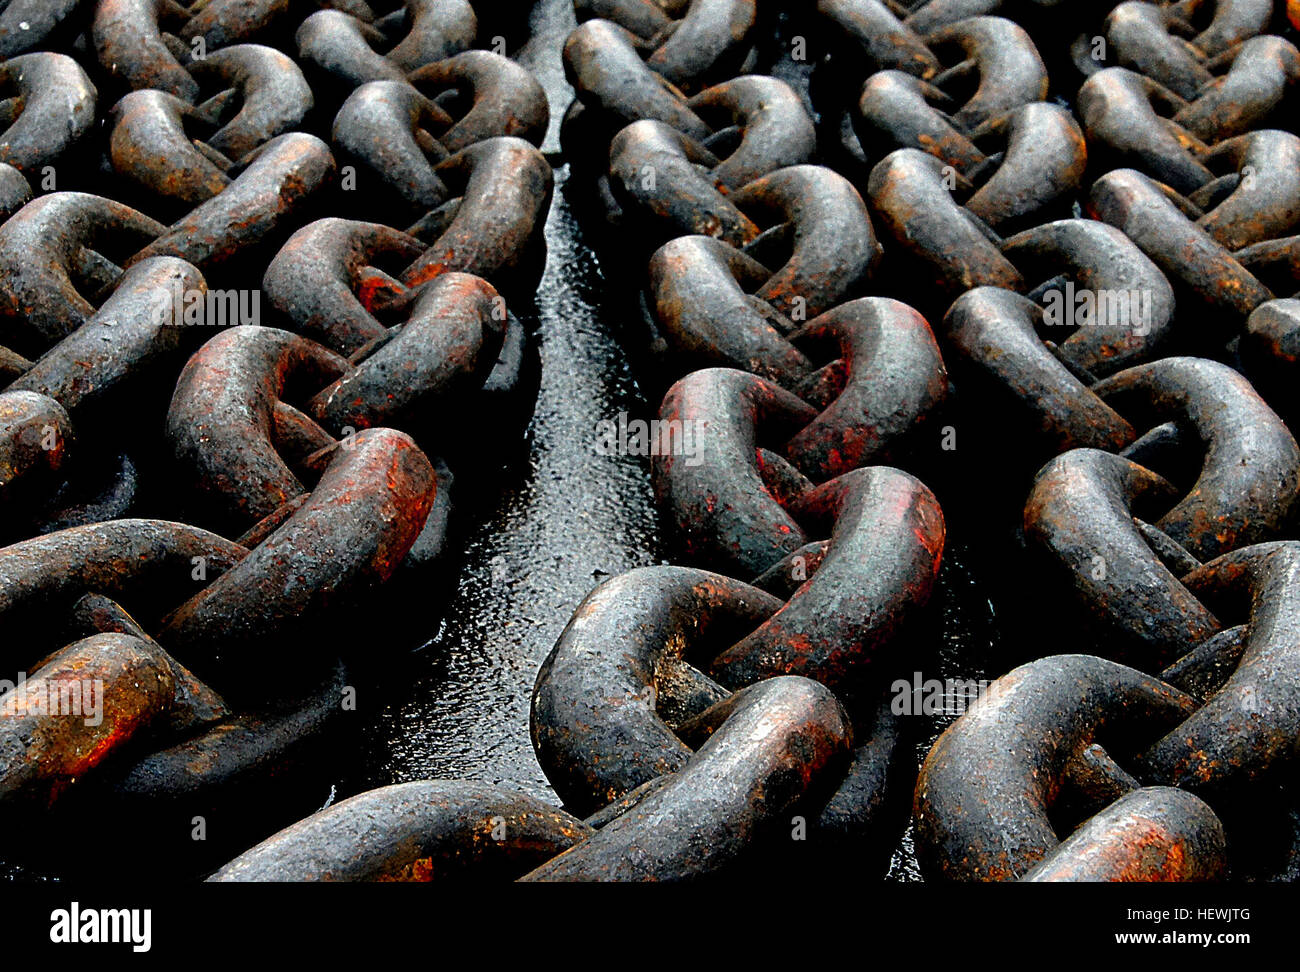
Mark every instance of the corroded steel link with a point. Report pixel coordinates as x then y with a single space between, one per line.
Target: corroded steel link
254 93
756 124
1127 119
1100 261
222 23
1153 834
280 178
869 28
145 564
664 178
1244 734
36 439
227 419
661 180
388 129
1000 55
1258 197
723 509
487 95
882 389
718 304
823 221
882 384
128 689
184 154
58 255
702 294
1270 353
989 785
1262 81
15 191
642 18
1030 360
1080 521
133 341
29 25
333 277
255 749
1142 37
491 226
42 753
1232 22
346 49
195 705
1020 385
994 333
677 185
615 88
778 745
1186 253
423 831
1080 513
1275 261
350 52
947 245
135 44
623 677
701 41
940 237
443 353
877 571
764 120
1246 493
351 534
116 360
746 777
1117 108
736 504
759 119
229 426
53 110
156 43
153 147
895 108
1248 486
1041 161
384 127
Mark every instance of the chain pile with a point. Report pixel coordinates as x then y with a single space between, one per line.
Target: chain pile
1097 210
208 503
